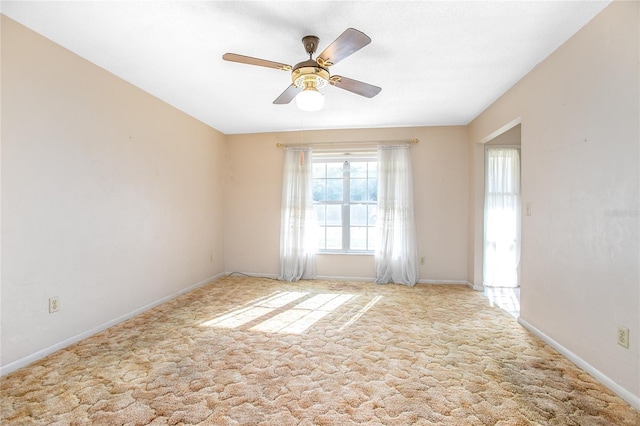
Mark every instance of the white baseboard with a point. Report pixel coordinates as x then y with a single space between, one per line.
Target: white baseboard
454 282
23 362
598 375
319 277
253 274
340 278
362 279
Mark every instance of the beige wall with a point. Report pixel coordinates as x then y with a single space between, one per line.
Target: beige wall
579 111
111 199
440 196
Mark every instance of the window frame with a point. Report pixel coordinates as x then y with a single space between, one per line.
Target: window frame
346 203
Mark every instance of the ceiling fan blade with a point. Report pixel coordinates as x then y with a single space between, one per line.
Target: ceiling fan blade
355 86
288 95
346 44
232 57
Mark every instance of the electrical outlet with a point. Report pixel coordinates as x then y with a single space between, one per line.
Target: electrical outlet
54 305
422 260
623 336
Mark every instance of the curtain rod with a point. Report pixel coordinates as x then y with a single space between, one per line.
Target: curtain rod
284 145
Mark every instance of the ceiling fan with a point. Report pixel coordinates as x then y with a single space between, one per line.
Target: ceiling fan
308 76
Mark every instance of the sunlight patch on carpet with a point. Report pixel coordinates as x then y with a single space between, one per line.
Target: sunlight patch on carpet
291 312
302 316
258 308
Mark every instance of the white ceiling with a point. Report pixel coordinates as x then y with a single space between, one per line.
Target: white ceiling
438 63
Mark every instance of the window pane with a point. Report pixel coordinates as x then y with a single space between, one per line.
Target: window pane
319 208
373 169
335 170
358 214
358 169
334 214
319 170
373 213
358 189
358 238
334 189
373 190
334 238
321 237
319 190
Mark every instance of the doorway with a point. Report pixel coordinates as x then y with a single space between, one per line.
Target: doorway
501 253
501 216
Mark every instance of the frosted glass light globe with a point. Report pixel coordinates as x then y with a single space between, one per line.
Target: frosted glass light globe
310 100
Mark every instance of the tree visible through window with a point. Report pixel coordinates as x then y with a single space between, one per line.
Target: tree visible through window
345 194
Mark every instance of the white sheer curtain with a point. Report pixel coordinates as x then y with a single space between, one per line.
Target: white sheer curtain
502 218
298 226
397 253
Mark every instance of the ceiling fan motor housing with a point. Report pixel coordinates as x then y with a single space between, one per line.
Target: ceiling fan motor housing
309 73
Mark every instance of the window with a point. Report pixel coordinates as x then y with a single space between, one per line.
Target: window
345 194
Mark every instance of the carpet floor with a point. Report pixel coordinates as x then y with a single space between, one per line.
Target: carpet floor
252 351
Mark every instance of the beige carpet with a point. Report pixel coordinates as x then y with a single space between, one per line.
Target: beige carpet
260 352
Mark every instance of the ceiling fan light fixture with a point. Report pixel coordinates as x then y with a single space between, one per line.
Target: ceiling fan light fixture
310 100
